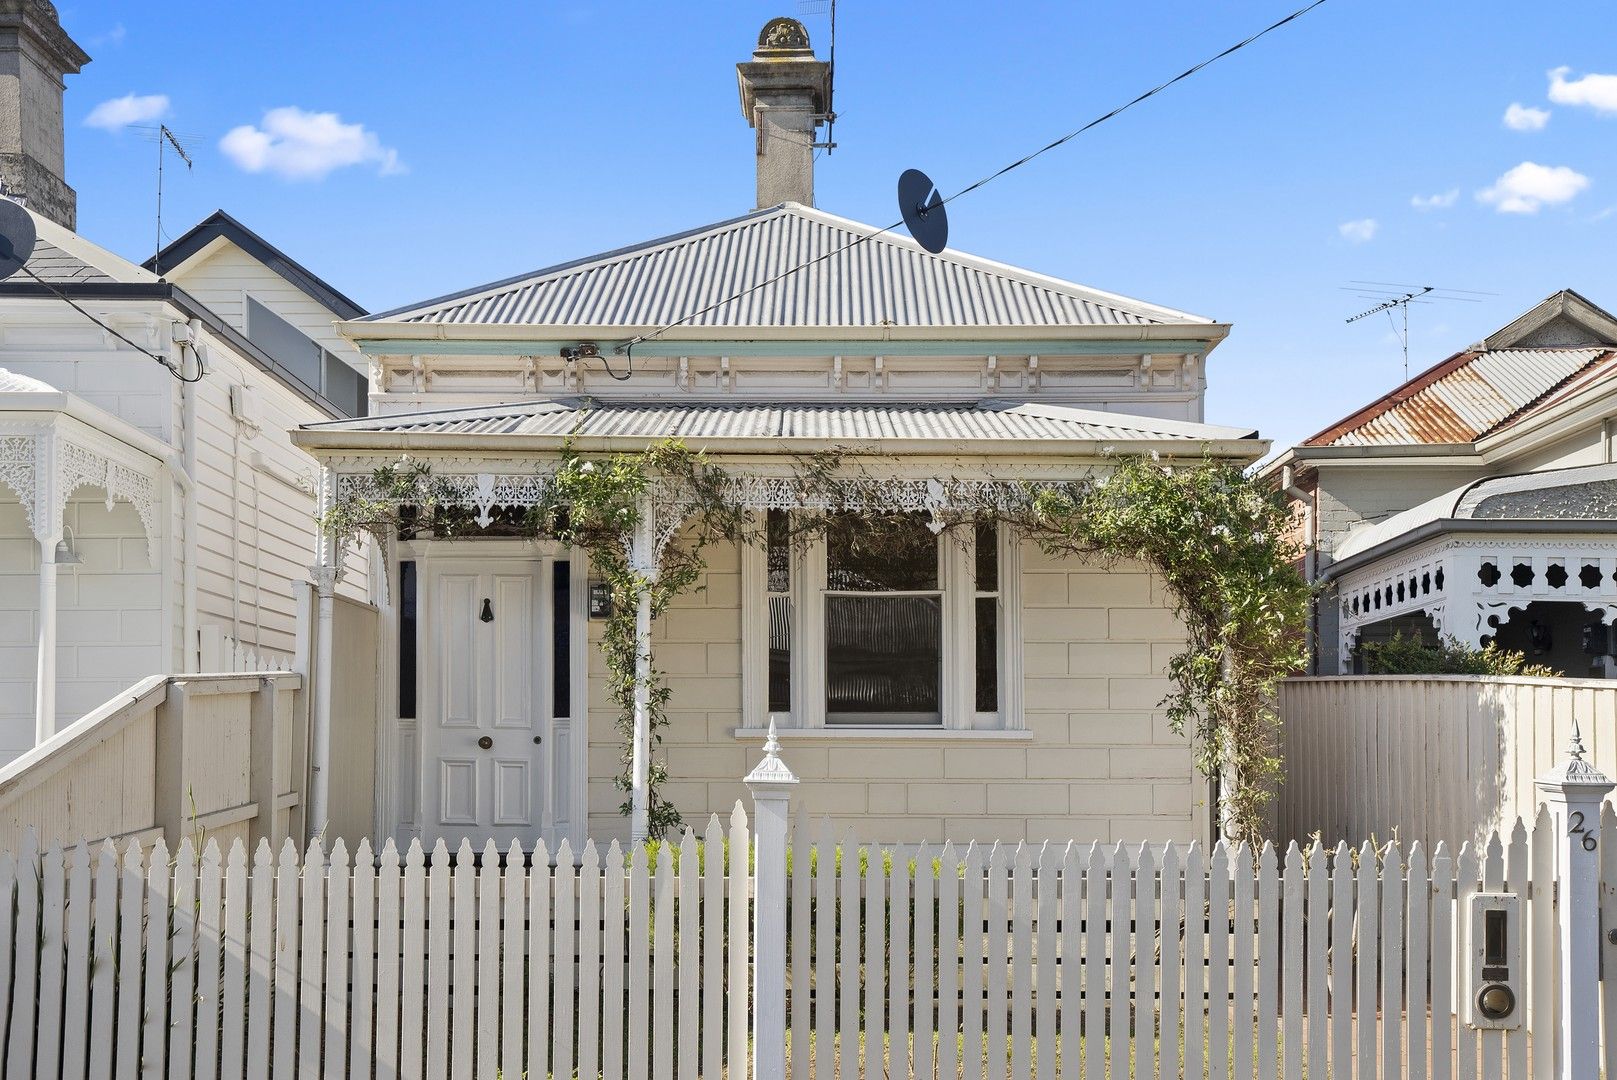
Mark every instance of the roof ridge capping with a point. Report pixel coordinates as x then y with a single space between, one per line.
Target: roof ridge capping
750 269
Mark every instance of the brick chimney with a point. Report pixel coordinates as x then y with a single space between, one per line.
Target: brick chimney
35 55
784 94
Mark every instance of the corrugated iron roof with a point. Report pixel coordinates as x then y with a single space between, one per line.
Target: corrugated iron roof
830 421
886 280
1463 398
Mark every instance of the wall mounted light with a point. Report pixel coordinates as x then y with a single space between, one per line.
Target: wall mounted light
65 555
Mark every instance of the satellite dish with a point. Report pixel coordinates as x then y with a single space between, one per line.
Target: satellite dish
922 207
17 238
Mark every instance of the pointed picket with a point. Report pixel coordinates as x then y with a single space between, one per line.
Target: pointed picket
539 919
612 950
870 1053
1021 917
488 960
1269 961
311 959
589 964
463 964
563 960
181 964
1467 870
1144 1026
1242 917
362 978
1196 968
389 894
1417 949
712 949
413 965
1172 1056
799 945
261 998
1318 964
1441 1035
1291 964
131 922
851 963
76 988
663 1035
1392 961
153 1046
1540 953
996 913
948 922
1517 869
1218 962
103 959
973 964
688 1035
825 955
926 955
514 956
210 953
898 968
1044 1026
25 964
338 894
738 939
638 978
1094 965
1118 1029
439 957
1341 921
1369 926
1491 1044
52 955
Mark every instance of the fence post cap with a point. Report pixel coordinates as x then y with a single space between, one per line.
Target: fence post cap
1574 774
771 770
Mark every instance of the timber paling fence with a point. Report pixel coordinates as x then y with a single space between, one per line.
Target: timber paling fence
1027 962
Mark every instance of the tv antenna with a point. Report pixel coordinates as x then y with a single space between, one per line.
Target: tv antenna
165 139
826 7
1395 297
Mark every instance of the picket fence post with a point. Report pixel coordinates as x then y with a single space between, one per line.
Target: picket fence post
1574 790
771 784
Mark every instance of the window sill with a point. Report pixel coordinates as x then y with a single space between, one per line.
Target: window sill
885 734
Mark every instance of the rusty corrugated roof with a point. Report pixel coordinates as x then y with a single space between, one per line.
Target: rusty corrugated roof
1465 397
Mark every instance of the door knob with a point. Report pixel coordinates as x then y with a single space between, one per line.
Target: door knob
486 742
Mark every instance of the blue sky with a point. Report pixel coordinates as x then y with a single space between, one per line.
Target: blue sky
495 139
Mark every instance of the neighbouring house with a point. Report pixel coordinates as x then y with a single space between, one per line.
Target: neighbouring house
1476 501
142 516
972 690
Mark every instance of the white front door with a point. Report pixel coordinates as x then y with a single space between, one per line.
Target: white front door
484 716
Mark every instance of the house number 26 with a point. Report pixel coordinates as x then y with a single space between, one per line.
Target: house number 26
1589 841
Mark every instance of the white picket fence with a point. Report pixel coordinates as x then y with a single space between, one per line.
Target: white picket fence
825 959
219 652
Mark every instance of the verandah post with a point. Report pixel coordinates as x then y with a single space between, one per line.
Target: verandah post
643 560
1574 790
771 785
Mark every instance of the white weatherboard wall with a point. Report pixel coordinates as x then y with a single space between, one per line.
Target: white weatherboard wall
109 614
224 277
1098 760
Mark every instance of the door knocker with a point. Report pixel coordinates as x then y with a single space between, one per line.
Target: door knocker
488 610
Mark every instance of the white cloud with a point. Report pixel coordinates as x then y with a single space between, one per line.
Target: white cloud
116 114
299 145
1360 231
1441 201
1598 92
1526 118
115 36
1529 186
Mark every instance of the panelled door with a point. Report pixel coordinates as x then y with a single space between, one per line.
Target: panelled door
484 718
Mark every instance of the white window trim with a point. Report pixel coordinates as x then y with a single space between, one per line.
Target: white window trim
957 571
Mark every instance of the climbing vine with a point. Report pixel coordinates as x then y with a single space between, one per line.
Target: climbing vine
1217 540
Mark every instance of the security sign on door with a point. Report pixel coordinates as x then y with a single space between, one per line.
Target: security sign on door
482 731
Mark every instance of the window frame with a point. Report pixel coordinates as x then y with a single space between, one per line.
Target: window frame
808 593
